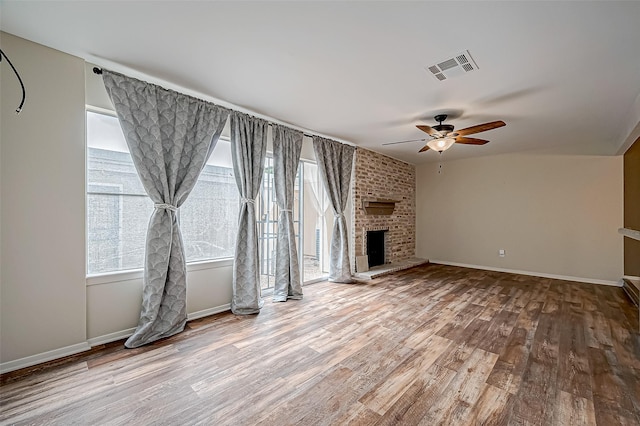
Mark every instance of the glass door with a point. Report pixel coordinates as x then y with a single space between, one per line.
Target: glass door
318 221
312 219
267 217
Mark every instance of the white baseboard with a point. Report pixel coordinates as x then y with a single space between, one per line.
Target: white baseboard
210 311
123 334
631 278
533 274
32 360
29 361
111 337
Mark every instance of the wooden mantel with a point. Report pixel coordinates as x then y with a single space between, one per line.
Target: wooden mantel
631 233
378 206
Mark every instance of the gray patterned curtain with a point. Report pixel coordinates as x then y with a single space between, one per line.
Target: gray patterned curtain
248 150
170 137
287 145
335 161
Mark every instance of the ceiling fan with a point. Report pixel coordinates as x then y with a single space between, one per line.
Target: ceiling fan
443 136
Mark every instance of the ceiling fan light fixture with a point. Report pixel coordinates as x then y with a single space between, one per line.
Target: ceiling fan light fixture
443 135
441 144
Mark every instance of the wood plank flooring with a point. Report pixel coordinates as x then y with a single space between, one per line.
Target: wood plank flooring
433 345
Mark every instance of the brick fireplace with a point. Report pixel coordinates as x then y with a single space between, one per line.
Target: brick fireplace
381 178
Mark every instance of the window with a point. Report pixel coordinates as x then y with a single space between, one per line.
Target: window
209 217
118 208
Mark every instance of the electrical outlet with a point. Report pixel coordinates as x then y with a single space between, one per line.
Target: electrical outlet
501 253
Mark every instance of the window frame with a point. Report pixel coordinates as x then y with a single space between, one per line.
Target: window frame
134 273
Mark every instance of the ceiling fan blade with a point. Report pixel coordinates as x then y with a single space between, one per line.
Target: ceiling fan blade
424 148
471 141
430 131
411 140
480 128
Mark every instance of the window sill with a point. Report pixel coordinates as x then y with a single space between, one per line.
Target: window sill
137 274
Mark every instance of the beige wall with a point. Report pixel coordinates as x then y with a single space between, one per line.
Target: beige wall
555 215
42 218
113 302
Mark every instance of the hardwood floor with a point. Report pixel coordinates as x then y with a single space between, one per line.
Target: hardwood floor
427 346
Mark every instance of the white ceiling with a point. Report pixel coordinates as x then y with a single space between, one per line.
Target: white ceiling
564 76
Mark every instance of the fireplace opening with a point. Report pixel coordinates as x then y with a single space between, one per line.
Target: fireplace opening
375 248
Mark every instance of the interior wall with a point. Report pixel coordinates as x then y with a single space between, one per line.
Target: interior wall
632 208
42 214
208 292
552 214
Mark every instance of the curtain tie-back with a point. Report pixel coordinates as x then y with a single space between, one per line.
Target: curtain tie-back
286 210
166 207
338 215
248 200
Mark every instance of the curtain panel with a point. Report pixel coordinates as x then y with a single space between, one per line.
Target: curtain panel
170 136
335 162
248 151
287 145
318 196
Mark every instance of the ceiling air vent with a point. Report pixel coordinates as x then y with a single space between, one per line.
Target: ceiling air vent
460 64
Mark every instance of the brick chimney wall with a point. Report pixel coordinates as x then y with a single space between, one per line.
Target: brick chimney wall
380 177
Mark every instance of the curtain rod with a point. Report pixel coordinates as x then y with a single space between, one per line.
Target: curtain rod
303 133
98 71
